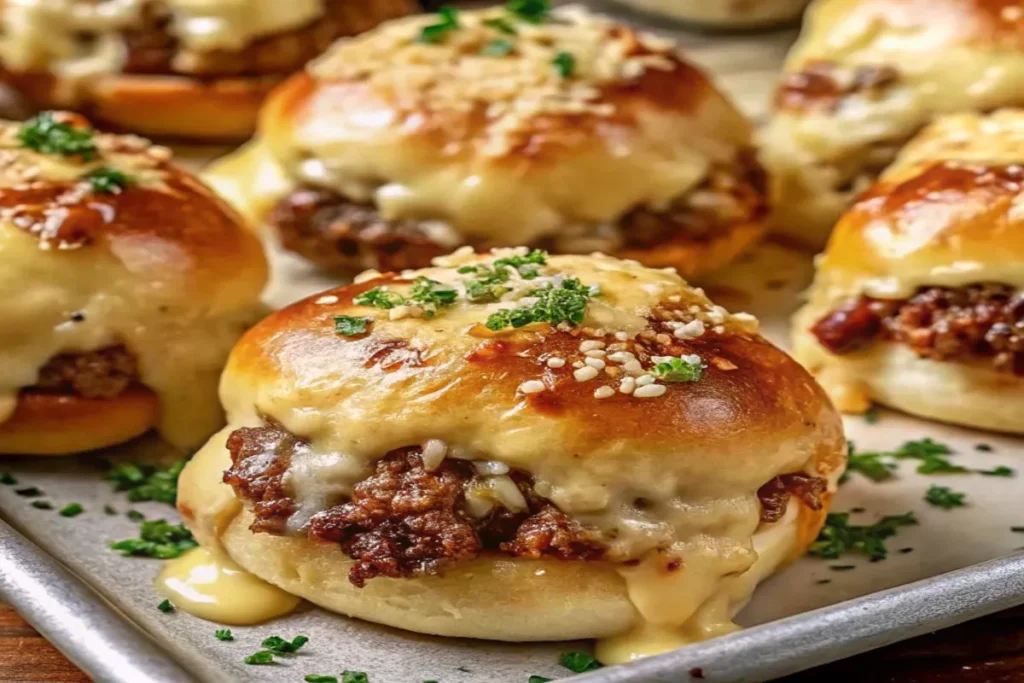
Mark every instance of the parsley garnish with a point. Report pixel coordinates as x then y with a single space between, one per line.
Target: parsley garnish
448 21
842 567
71 510
944 497
538 679
501 25
564 63
526 265
109 510
157 539
497 48
135 515
29 492
165 606
354 677
259 658
838 536
868 464
930 453
280 646
147 482
984 447
380 297
317 678
531 11
871 415
349 326
565 303
223 634
432 293
678 370
107 180
41 505
1017 529
1001 471
46 135
822 582
578 662
7 479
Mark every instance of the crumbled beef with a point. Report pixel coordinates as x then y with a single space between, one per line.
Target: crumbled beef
105 373
775 495
977 321
551 532
260 456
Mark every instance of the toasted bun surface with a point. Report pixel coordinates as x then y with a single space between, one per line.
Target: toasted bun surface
145 257
200 74
591 449
501 150
944 214
866 76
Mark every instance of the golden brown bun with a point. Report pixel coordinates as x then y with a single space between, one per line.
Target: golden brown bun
59 424
202 93
724 14
944 214
160 266
500 151
865 77
591 448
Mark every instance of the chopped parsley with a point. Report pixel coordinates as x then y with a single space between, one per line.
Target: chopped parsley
868 464
135 515
354 677
871 415
259 658
678 370
71 510
1017 529
29 492
46 135
838 536
944 497
984 447
107 180
109 510
165 607
530 11
501 25
349 326
157 538
7 479
432 293
223 634
564 63
578 662
930 453
564 303
822 582
1001 471
489 280
526 265
498 48
842 567
280 646
41 505
317 678
380 297
448 21
147 482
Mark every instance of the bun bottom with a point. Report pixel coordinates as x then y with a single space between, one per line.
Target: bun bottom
693 258
61 424
970 395
493 597
221 110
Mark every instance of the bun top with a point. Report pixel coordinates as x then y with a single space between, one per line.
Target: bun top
885 67
47 34
947 212
103 242
607 381
506 126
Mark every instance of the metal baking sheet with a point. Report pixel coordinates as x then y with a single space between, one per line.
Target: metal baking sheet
100 608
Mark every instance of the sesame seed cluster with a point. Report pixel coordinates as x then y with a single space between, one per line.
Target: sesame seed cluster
461 73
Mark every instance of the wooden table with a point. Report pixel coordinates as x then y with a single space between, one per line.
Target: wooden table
989 650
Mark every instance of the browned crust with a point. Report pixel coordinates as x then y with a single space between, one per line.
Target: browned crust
58 424
816 86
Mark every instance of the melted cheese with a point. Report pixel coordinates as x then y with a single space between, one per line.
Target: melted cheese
47 34
8 402
208 584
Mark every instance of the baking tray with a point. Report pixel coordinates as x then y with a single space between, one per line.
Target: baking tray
100 608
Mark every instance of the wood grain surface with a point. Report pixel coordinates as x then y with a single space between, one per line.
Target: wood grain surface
989 650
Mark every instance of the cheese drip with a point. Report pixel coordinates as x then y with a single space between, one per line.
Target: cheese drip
208 584
47 34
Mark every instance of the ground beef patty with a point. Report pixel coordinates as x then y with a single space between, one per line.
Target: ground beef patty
404 521
105 373
980 321
342 235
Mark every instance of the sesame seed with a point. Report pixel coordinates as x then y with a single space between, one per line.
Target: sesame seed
591 345
532 386
596 353
690 330
585 373
622 336
556 362
604 392
633 367
329 299
627 385
621 357
577 364
663 338
595 363
650 391
719 329
644 380
612 371
675 298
